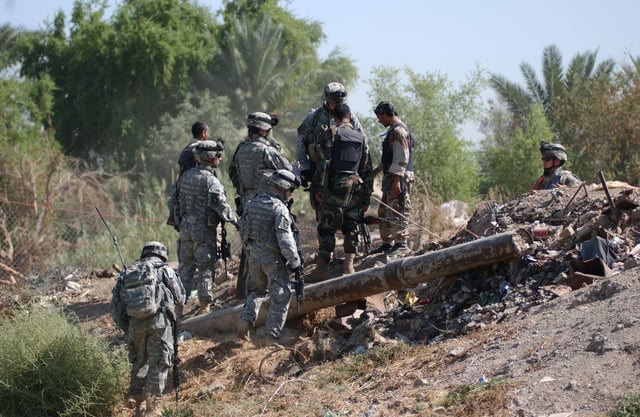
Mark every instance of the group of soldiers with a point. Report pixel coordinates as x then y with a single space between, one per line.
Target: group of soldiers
332 160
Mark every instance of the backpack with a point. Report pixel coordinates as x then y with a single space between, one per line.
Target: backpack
141 291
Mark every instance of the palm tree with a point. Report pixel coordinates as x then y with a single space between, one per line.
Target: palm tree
253 65
556 83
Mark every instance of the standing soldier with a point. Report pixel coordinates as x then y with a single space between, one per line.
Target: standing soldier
310 133
554 156
201 204
266 232
149 323
396 166
254 160
186 161
344 180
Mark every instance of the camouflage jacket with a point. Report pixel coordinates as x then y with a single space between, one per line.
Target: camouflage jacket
253 161
199 198
265 227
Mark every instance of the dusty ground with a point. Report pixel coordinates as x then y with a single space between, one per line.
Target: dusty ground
575 354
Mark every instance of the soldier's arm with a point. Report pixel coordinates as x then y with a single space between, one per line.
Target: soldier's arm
217 201
285 238
301 146
175 286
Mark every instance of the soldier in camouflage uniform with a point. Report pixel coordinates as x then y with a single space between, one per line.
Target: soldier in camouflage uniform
150 341
396 166
201 203
554 156
266 231
310 133
344 181
255 159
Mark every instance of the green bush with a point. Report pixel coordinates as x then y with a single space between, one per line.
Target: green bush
629 407
50 367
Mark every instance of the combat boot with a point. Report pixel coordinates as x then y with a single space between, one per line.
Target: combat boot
154 408
205 307
244 330
141 409
321 271
347 267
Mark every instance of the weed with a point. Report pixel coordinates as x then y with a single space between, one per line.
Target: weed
479 399
629 407
50 367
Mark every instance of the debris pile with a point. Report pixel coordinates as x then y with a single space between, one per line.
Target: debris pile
575 236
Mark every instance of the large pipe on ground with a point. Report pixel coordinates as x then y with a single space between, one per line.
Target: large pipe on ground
396 275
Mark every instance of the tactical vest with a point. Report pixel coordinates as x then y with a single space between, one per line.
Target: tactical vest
387 154
348 145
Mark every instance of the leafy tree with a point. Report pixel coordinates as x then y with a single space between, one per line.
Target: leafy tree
603 126
253 65
500 156
435 112
556 84
173 133
7 46
115 78
263 44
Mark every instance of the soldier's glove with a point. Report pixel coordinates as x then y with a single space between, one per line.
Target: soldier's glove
295 268
305 177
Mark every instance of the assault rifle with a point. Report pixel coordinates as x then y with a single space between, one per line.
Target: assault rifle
224 250
363 231
298 283
176 360
115 240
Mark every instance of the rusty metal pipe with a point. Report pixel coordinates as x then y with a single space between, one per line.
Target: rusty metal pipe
396 275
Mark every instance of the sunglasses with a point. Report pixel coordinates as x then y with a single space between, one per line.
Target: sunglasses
547 158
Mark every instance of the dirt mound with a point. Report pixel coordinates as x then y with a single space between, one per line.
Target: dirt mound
566 347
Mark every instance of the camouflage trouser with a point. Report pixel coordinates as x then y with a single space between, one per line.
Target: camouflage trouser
151 355
271 276
197 252
395 227
333 218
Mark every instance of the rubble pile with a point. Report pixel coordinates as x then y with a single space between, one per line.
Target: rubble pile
566 229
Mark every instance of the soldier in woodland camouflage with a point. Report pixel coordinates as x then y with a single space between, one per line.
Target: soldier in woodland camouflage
344 181
266 231
150 341
310 133
396 167
255 159
200 201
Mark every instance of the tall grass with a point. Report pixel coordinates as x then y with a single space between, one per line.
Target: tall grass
50 367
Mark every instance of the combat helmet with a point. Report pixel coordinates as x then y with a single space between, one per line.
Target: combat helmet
553 150
206 150
335 93
261 120
284 179
153 248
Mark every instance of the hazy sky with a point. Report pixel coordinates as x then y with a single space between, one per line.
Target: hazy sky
450 37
